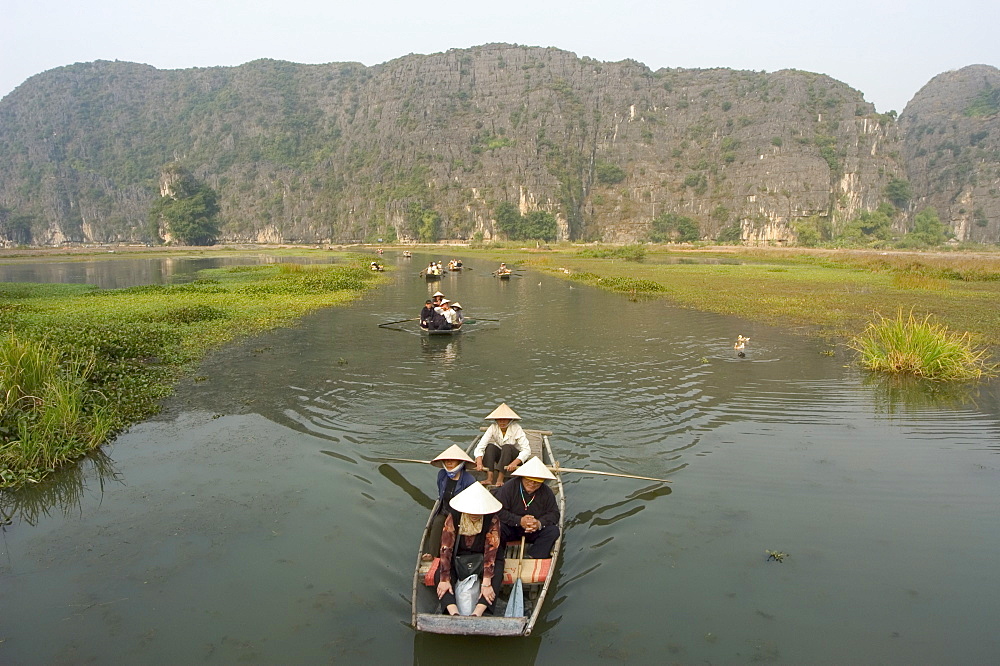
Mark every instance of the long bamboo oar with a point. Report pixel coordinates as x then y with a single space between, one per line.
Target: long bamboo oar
390 323
624 476
558 469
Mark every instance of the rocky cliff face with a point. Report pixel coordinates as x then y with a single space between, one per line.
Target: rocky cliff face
339 152
951 132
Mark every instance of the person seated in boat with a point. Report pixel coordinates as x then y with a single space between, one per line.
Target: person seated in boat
437 297
452 479
452 265
503 270
426 312
438 320
449 314
459 317
458 263
433 269
375 266
530 509
503 447
470 535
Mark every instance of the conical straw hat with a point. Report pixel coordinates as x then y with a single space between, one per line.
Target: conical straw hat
475 500
438 293
535 469
503 412
453 452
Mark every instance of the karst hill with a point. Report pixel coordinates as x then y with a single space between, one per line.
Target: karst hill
344 152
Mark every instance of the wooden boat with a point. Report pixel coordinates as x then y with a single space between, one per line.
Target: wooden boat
536 575
407 254
443 331
504 275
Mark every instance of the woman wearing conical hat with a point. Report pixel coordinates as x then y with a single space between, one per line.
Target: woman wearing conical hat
470 529
451 480
503 447
530 509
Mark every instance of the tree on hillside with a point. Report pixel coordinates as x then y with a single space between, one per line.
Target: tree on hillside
928 230
186 209
508 219
668 227
899 192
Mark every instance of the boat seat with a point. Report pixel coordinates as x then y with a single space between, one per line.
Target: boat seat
533 572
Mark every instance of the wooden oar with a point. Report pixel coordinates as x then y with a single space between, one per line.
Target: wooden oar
624 476
401 321
515 603
557 468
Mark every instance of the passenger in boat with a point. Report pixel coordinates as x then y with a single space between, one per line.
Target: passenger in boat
451 480
438 321
503 269
450 315
438 297
503 447
457 309
425 313
471 529
530 509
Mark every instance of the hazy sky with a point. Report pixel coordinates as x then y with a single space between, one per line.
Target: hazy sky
887 49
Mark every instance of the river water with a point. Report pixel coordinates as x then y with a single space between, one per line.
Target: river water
255 521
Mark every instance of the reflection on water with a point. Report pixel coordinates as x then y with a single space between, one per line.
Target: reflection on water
61 494
259 521
893 395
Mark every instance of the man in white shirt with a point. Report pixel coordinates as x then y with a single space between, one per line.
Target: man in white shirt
503 447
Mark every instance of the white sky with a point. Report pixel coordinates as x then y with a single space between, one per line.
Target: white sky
887 49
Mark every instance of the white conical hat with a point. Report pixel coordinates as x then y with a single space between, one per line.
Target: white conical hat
535 469
475 500
437 293
503 412
456 306
453 452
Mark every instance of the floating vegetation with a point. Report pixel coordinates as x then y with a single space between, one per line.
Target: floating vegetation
910 346
775 555
81 363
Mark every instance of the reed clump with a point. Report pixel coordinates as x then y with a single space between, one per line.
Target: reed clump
907 345
48 412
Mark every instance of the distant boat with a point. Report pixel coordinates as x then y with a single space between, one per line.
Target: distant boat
407 254
441 331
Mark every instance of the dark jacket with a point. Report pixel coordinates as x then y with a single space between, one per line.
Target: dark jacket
542 504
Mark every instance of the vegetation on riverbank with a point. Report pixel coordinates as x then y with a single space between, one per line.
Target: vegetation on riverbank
835 293
81 363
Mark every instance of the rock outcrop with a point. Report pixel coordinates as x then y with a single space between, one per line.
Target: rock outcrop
341 152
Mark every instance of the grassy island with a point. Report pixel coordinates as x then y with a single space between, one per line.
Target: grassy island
78 363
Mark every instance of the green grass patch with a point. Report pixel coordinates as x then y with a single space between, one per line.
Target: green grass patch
81 363
918 347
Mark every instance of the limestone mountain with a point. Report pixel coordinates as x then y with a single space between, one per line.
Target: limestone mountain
341 152
951 132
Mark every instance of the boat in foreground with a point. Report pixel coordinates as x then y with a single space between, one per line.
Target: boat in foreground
536 575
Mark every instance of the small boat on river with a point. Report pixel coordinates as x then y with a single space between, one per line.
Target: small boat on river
454 330
536 574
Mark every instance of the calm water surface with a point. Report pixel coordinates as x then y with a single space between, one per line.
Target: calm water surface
253 520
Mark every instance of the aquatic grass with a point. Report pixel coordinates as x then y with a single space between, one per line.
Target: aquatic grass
47 411
139 341
918 347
